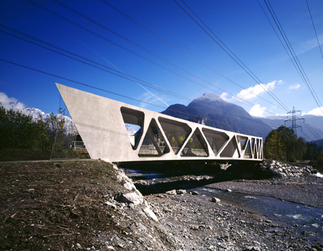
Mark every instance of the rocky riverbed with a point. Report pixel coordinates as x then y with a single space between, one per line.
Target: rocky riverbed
94 205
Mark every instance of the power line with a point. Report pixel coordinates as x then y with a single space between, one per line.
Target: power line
97 68
174 34
229 52
81 60
122 75
130 41
294 120
77 82
107 69
165 40
223 90
310 129
280 40
293 54
137 45
318 42
154 54
305 134
117 94
242 87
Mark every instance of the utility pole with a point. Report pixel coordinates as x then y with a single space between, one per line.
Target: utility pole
293 119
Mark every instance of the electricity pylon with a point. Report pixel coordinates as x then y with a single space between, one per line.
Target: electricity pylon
293 119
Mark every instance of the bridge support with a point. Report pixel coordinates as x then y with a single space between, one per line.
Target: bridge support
102 123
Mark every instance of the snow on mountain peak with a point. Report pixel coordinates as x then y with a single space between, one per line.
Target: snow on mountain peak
130 130
210 97
37 114
34 112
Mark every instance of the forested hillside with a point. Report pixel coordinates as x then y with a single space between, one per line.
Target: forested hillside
26 137
283 144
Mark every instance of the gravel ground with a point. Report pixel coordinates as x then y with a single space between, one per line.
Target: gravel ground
197 223
304 190
93 205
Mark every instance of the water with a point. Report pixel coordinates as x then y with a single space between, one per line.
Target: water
306 220
135 174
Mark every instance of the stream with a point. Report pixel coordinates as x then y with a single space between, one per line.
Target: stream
305 219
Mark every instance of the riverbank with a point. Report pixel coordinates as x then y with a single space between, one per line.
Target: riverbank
93 205
303 190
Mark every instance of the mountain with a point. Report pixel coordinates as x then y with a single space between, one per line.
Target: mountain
212 110
130 130
319 142
311 126
68 125
36 114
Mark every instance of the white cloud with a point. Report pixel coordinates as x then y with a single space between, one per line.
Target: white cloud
294 87
257 111
254 91
224 96
281 115
148 98
317 111
309 44
8 103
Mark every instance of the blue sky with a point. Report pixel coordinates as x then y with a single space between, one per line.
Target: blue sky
164 56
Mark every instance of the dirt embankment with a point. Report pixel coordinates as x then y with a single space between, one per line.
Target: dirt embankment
91 205
48 205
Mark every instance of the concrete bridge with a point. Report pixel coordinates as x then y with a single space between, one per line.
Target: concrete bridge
102 122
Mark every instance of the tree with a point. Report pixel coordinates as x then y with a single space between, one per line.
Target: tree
301 147
283 144
271 146
21 131
320 159
17 130
312 151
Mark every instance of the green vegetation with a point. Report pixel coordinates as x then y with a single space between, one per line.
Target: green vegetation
25 138
283 144
319 159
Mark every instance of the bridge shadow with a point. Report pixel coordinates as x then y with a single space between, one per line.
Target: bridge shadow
170 185
153 178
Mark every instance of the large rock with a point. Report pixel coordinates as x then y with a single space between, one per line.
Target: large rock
281 169
133 197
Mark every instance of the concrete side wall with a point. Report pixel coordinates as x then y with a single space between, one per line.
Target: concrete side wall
101 124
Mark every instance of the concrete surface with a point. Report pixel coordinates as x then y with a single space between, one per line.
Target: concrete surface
101 123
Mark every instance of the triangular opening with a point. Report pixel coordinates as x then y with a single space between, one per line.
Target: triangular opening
176 132
247 151
212 144
231 149
154 143
215 139
196 146
134 122
242 142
